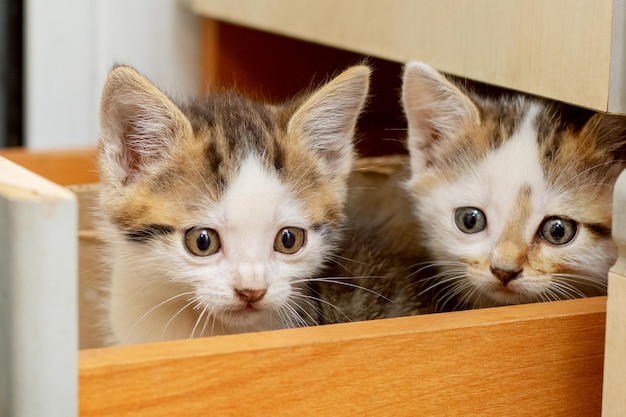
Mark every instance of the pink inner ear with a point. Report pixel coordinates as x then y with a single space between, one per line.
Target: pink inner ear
134 156
132 162
145 140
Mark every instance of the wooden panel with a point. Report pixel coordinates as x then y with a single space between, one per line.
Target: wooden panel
62 167
553 48
38 308
614 400
518 360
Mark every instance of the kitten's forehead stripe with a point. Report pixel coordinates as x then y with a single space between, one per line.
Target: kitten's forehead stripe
518 218
238 127
279 157
501 125
213 156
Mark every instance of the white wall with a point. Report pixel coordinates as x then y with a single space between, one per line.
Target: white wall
72 44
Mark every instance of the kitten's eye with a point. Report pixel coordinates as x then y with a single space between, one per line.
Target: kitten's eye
470 220
202 241
557 230
289 240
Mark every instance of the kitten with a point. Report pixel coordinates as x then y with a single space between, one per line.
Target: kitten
513 193
377 272
218 211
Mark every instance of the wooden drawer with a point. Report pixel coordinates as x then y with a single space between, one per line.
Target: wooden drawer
567 51
519 360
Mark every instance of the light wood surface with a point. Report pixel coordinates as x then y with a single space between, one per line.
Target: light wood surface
614 398
77 166
564 50
521 360
38 307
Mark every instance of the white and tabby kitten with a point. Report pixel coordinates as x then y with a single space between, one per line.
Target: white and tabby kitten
217 212
513 194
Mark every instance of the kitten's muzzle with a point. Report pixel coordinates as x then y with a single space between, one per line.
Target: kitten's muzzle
250 296
505 276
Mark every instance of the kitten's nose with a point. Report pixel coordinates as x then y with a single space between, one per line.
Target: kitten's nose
250 296
505 275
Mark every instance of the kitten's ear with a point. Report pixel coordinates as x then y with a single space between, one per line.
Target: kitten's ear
138 125
435 110
327 119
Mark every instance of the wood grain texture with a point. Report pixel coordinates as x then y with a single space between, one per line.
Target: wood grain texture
613 398
614 388
553 48
520 360
77 166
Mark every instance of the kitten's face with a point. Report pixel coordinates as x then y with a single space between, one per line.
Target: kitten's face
218 212
242 253
514 200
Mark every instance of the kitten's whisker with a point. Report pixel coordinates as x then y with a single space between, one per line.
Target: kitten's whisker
347 284
295 314
326 303
442 279
464 300
343 258
554 294
436 264
198 320
310 303
174 316
282 317
287 315
566 288
569 179
582 279
300 321
456 289
154 308
214 315
207 318
304 280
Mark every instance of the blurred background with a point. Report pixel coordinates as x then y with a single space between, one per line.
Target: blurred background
54 57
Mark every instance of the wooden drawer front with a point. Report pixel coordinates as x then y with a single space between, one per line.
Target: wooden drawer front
525 360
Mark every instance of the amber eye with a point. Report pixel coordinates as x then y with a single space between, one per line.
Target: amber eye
470 220
202 241
289 240
557 230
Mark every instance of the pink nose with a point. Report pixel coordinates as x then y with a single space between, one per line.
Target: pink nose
505 275
250 296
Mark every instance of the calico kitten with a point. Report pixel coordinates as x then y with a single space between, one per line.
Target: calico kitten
513 193
218 211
